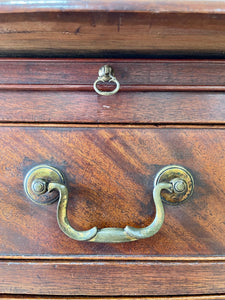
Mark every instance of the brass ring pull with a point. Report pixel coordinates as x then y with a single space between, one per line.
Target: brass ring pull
106 75
172 184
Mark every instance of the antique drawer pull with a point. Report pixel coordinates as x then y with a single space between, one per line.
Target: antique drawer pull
172 184
106 75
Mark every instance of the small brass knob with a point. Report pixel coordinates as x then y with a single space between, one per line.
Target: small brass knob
106 74
179 186
39 186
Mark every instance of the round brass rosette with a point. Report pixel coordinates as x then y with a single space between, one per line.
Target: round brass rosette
183 187
36 181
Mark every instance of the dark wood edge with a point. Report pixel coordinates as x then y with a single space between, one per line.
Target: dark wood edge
154 6
200 297
119 60
47 124
115 258
125 88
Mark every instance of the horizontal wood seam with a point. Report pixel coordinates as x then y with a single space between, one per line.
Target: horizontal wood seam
115 60
97 260
125 88
185 297
113 125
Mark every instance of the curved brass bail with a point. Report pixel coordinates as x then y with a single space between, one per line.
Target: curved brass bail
62 215
110 234
42 180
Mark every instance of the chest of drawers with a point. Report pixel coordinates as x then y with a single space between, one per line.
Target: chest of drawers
110 148
115 162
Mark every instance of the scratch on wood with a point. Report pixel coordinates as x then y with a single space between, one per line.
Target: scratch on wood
150 25
93 23
119 23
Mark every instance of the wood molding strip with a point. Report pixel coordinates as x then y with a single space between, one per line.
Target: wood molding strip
117 258
28 297
127 88
153 6
112 278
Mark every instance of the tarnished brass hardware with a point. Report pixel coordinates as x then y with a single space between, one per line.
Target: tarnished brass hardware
105 74
39 186
182 180
36 184
172 181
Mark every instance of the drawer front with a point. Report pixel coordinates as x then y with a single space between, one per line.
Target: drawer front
110 174
110 149
151 91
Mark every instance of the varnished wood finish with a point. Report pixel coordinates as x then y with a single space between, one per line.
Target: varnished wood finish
208 297
134 73
110 149
152 91
107 278
113 34
200 6
110 173
128 108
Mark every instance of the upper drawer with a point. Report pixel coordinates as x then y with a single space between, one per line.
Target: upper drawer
151 91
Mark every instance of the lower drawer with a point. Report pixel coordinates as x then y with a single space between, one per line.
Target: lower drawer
110 174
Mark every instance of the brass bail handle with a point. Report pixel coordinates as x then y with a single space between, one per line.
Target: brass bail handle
105 74
173 184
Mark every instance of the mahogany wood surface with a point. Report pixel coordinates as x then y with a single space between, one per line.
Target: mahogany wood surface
129 72
125 107
107 278
110 149
113 34
110 174
152 91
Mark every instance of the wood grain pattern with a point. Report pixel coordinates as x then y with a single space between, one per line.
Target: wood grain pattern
107 278
112 34
152 91
110 174
124 107
129 72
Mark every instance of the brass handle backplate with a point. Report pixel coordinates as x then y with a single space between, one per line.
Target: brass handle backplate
105 74
173 184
